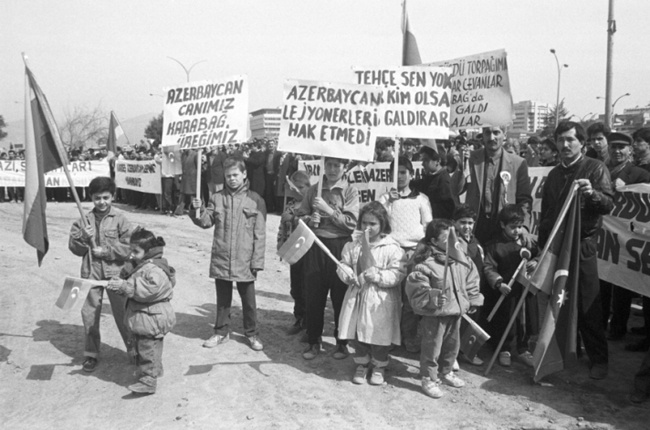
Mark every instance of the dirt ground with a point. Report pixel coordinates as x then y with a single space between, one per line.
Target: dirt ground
42 384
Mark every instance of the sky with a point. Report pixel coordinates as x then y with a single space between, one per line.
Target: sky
114 54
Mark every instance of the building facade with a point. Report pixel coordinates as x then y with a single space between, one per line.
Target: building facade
265 123
530 116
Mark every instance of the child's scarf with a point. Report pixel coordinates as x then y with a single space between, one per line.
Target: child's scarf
154 256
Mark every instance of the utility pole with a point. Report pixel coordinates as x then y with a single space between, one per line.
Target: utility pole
611 29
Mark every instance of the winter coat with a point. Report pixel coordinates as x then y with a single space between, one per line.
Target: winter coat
502 257
425 284
239 220
114 236
149 311
372 312
255 171
188 180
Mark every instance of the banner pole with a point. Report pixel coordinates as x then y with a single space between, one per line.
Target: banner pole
396 164
198 179
319 189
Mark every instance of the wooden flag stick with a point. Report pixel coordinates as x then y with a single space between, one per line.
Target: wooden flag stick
396 164
522 263
198 179
319 189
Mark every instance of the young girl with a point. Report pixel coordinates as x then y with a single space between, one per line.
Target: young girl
147 282
371 307
441 300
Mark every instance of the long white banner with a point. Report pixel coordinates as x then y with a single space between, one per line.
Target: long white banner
12 173
143 176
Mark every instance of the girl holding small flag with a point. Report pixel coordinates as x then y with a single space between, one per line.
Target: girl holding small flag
372 266
443 286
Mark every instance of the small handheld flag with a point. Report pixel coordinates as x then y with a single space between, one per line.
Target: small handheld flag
297 244
75 290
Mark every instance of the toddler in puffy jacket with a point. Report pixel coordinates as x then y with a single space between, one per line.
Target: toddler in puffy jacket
442 301
147 281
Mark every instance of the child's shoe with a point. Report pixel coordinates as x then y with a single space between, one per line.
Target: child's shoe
311 351
451 379
431 388
377 376
527 358
504 359
255 343
341 352
361 374
146 385
90 364
216 340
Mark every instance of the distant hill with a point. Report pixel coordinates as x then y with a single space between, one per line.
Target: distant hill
133 128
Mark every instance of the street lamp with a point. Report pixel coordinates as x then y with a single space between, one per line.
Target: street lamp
559 76
187 71
614 105
583 118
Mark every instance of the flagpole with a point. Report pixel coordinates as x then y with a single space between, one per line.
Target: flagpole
396 164
322 246
319 188
198 179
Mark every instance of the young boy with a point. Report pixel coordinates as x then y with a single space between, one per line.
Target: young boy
288 222
409 212
442 290
502 256
103 245
333 218
464 218
239 219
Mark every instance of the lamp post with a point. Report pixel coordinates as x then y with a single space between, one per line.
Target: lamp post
187 71
613 115
559 76
583 118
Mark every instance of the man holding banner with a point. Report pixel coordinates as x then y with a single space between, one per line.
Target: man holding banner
594 184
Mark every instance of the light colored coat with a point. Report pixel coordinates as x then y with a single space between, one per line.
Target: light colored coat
372 312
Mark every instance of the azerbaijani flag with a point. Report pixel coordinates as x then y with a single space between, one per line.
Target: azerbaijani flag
410 51
297 244
43 152
556 345
115 131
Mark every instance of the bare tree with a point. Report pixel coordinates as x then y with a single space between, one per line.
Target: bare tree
84 127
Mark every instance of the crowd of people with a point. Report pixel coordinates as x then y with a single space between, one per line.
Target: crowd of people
386 266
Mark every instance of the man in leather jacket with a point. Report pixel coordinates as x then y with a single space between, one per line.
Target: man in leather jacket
596 192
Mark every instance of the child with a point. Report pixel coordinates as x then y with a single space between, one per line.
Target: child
464 218
148 283
442 301
104 247
332 217
288 222
239 219
371 307
502 256
409 212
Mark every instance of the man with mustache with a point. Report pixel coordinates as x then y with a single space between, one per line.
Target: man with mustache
497 178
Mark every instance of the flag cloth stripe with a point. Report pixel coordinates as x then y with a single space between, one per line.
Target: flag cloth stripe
114 132
297 244
410 51
42 154
557 345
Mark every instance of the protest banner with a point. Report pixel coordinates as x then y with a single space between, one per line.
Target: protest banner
203 114
480 90
329 119
372 180
415 101
12 173
143 176
624 240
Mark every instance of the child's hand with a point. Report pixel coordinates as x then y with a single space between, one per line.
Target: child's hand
196 203
98 252
472 309
393 195
322 206
531 266
115 284
371 275
503 288
254 272
315 218
87 233
348 275
441 300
